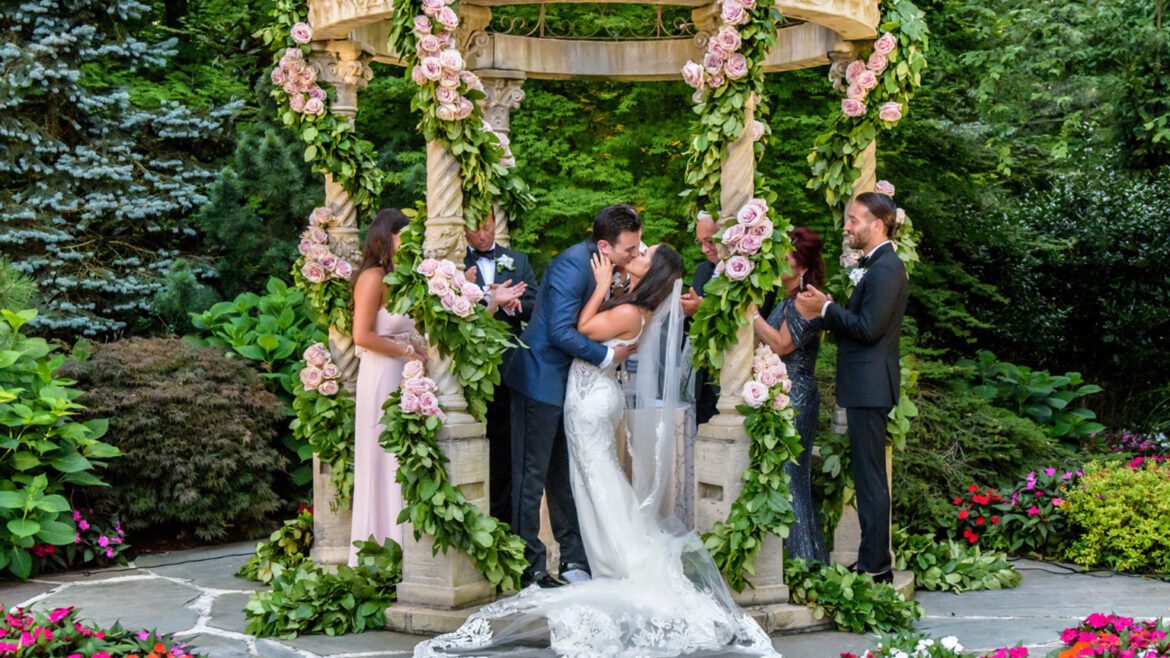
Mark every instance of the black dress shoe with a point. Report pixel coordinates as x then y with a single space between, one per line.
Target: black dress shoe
886 577
541 579
574 566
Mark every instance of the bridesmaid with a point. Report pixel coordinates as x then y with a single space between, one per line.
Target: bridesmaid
797 341
384 345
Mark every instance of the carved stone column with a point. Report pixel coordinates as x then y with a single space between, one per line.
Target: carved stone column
342 65
505 92
435 586
721 449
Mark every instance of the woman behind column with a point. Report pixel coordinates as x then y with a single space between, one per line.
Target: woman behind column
797 341
384 345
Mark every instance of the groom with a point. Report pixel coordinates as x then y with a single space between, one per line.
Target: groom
868 370
537 377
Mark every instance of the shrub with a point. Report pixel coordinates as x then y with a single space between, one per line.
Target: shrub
197 430
288 547
1122 516
181 291
951 566
852 600
45 449
1033 517
17 289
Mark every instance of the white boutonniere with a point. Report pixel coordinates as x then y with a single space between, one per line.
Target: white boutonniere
856 274
505 262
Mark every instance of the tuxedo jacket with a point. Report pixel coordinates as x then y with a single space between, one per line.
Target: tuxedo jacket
868 329
541 371
521 270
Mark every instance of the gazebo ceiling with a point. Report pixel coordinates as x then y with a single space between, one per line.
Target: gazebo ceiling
828 23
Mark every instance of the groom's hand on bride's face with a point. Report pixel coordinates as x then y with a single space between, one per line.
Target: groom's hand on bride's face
623 352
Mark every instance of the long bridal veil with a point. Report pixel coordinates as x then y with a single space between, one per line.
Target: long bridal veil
672 600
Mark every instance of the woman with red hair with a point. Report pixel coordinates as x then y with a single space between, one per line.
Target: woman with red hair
797 341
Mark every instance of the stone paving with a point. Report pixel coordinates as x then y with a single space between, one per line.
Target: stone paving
194 594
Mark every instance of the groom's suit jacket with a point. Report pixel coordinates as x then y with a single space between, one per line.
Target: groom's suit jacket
541 371
868 330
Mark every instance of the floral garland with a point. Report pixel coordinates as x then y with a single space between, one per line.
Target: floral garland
877 92
423 33
765 505
324 420
446 307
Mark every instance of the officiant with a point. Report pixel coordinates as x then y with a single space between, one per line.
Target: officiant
509 286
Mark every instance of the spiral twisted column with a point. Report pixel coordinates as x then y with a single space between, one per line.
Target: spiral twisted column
342 65
722 449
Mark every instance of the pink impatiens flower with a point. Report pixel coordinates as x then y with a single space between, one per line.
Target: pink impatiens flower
1033 510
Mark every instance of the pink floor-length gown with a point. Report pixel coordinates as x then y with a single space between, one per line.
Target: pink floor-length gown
377 496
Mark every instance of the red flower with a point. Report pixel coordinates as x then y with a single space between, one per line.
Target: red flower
972 488
971 537
980 521
982 500
964 514
994 520
958 500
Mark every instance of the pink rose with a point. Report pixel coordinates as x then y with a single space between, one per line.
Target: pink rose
451 59
463 109
448 18
768 378
428 45
318 93
878 63
422 25
504 141
301 33
472 292
738 268
720 267
431 68
786 385
448 299
471 80
891 111
867 80
328 262
851 107
304 247
447 269
432 7
899 217
409 403
438 286
712 63
330 371
462 307
416 74
757 364
447 112
446 95
781 402
750 244
417 385
884 187
716 80
428 404
693 74
449 79
343 269
697 97
318 235
749 214
755 394
733 12
762 229
297 102
317 251
307 77
759 129
316 355
856 68
412 369
448 39
313 273
760 204
278 76
729 38
715 48
856 92
748 4
508 162
732 235
428 267
321 216
310 377
736 66
328 387
886 44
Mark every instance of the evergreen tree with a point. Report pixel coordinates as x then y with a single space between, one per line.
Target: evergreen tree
96 187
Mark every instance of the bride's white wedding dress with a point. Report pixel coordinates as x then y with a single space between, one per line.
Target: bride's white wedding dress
654 593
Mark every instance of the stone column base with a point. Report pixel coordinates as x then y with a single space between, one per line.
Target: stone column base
331 528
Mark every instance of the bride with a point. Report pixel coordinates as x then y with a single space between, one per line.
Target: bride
655 590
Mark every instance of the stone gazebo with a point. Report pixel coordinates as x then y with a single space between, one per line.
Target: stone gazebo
439 591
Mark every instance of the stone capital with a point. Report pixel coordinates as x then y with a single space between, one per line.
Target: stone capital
504 92
344 66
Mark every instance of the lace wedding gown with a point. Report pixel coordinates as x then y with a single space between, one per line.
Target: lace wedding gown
653 593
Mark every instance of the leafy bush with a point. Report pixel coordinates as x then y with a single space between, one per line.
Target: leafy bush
45 448
60 633
17 289
288 547
951 566
309 599
180 293
197 430
1038 395
1033 518
1122 517
852 600
978 514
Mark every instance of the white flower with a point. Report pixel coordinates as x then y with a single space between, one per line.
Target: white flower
856 275
505 262
952 643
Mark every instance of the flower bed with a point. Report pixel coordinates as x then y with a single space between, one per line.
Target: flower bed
59 634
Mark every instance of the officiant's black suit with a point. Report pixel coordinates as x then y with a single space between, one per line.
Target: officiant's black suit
868 329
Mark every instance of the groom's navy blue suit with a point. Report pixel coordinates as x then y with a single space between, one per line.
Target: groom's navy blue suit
538 376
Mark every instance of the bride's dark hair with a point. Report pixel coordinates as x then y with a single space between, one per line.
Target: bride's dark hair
665 267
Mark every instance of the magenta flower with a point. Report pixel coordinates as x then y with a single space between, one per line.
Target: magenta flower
1050 472
103 541
144 636
1058 501
83 524
59 614
1033 510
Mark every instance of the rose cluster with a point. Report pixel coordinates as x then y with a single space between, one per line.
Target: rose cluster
769 382
321 264
297 78
419 392
445 281
744 239
440 62
861 77
320 373
722 61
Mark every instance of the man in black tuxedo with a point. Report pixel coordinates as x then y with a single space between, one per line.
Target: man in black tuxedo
868 329
510 293
706 390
